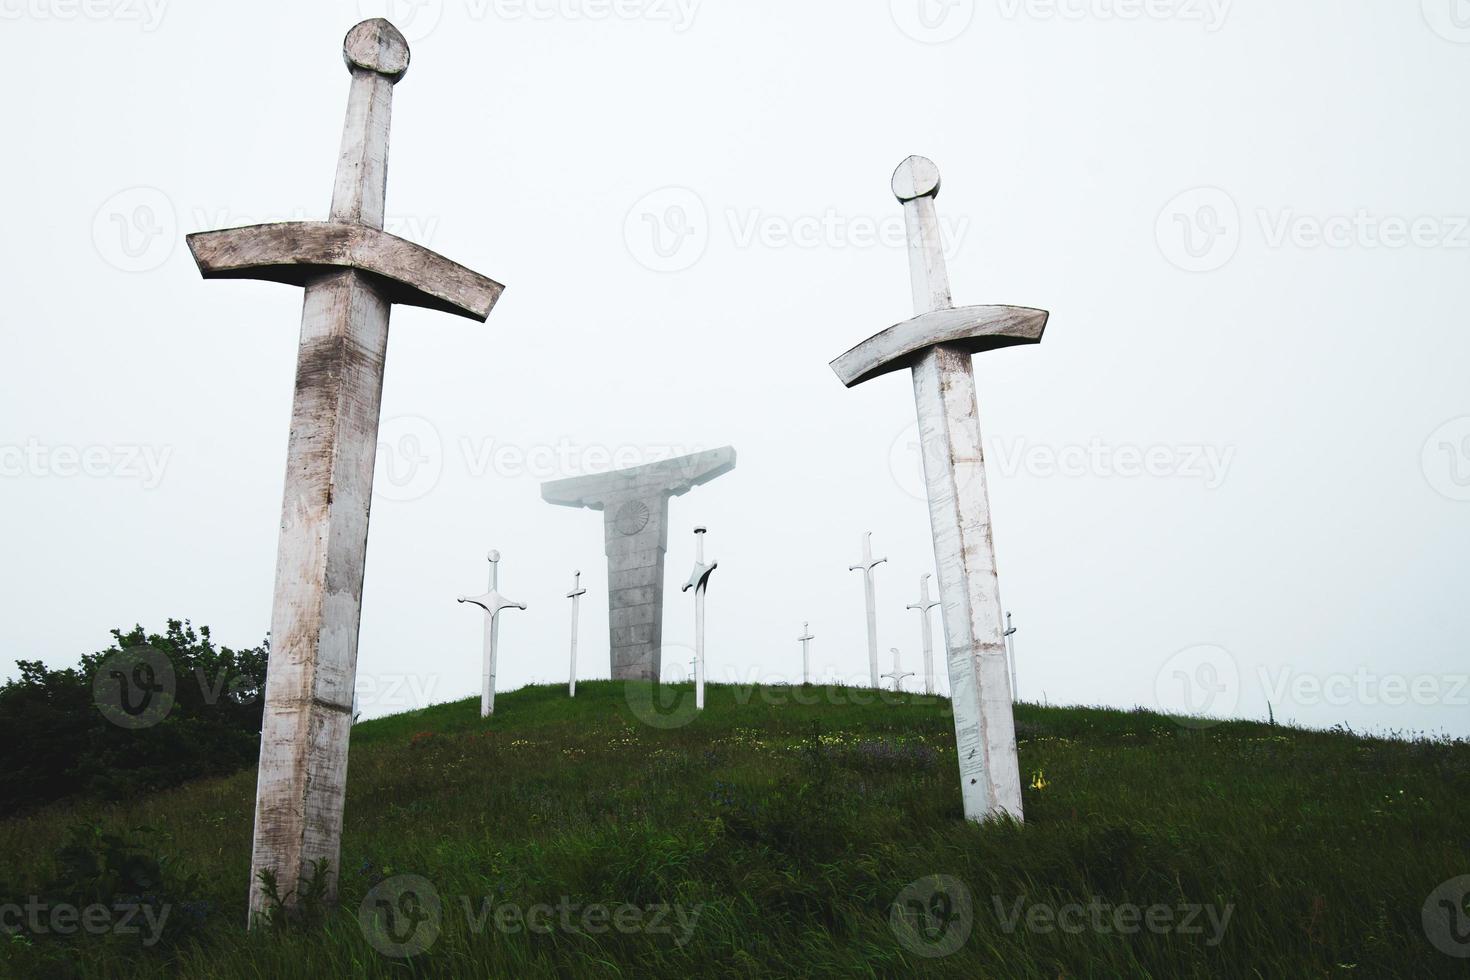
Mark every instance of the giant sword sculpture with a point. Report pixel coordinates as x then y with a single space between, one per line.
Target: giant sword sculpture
936 345
352 272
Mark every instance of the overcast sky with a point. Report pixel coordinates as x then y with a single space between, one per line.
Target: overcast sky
1236 470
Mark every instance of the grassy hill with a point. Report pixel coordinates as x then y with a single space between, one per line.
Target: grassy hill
771 838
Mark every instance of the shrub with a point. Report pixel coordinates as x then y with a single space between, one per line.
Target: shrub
110 728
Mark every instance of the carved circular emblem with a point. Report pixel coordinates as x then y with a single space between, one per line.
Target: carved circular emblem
631 518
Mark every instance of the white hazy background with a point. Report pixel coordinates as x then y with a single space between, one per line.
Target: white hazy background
1247 219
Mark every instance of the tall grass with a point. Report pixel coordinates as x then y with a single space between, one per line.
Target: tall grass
783 833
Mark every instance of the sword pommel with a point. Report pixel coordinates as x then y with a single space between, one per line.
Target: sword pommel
916 177
377 46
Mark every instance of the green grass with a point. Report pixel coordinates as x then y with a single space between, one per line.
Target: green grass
785 833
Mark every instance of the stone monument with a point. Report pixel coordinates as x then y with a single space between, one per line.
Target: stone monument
635 506
936 346
352 273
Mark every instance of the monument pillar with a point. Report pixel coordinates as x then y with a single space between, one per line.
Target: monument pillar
635 507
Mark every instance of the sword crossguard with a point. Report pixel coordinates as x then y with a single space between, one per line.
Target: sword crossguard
577 589
491 602
898 673
925 603
869 562
702 571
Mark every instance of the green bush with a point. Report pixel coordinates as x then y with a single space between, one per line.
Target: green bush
149 712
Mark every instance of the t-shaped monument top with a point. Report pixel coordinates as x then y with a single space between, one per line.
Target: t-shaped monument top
669 477
635 506
969 328
297 252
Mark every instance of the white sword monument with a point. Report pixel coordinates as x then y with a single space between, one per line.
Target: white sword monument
936 346
1010 636
576 596
806 652
898 673
353 273
699 582
922 607
871 599
493 603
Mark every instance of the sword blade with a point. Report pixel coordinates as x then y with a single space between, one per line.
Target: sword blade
319 573
959 511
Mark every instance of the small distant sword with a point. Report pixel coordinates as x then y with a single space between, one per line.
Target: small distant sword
1011 654
898 672
492 602
576 596
806 659
699 582
922 607
867 566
